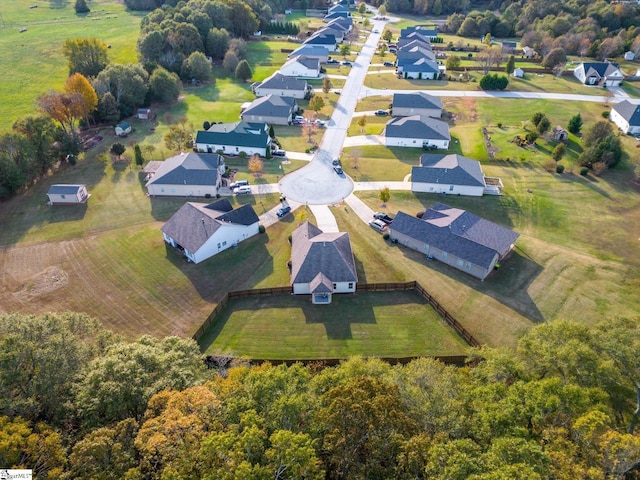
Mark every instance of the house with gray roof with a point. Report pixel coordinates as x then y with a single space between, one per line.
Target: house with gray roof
452 175
346 22
200 230
321 263
417 131
281 86
301 66
456 237
430 33
599 73
327 41
626 116
416 103
270 109
65 194
420 69
311 51
187 175
233 138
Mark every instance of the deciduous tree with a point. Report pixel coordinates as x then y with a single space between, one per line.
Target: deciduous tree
362 122
255 165
326 85
117 149
196 67
316 103
87 56
384 195
78 83
217 42
164 85
177 138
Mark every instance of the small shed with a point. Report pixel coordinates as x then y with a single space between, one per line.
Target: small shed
528 52
559 134
123 129
518 73
62 194
629 56
144 114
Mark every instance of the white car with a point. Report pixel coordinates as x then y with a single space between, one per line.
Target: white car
378 225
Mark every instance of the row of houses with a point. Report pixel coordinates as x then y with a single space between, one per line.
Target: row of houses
415 57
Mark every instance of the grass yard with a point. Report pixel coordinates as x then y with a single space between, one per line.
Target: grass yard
377 163
38 50
374 126
393 324
377 102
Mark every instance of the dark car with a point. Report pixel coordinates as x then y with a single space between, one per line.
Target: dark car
381 113
335 162
338 170
333 61
346 63
383 216
388 64
283 211
279 153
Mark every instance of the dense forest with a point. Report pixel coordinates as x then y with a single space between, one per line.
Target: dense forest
80 402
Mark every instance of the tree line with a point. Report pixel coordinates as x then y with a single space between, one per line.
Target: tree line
80 402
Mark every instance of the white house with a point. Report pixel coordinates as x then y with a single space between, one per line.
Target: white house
456 237
281 86
61 194
321 263
421 69
187 175
270 109
626 116
417 131
452 175
327 41
301 66
312 51
418 103
233 138
200 230
599 73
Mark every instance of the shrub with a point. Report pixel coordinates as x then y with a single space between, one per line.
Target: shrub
559 168
261 229
584 171
605 114
207 195
494 82
289 238
499 124
385 236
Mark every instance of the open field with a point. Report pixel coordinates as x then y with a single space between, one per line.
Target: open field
395 324
39 49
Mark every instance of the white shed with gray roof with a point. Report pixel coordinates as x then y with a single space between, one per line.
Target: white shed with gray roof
62 194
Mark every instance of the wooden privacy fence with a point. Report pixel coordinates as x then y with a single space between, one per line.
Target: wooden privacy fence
365 287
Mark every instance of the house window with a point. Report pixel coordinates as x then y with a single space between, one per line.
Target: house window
224 243
335 285
414 141
62 197
236 149
350 285
467 266
444 255
218 245
460 263
451 188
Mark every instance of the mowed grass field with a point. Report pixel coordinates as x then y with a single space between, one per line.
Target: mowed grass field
393 324
32 61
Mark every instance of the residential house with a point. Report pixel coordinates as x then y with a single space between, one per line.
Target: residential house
417 131
626 116
233 138
430 33
327 41
281 86
338 33
200 230
308 67
421 69
345 22
270 109
311 51
418 37
187 175
418 103
408 56
339 8
63 194
452 175
123 129
456 237
321 263
599 73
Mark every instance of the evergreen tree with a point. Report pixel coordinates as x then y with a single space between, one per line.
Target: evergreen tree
575 124
138 155
81 6
511 65
243 71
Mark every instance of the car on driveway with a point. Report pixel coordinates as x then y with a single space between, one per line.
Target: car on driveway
378 225
279 153
346 63
241 190
320 123
383 216
283 211
332 61
338 170
388 64
381 113
335 161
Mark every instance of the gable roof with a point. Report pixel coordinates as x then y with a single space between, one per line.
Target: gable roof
338 8
419 65
416 100
457 232
338 24
271 106
278 81
309 62
64 189
420 29
333 15
309 51
629 111
418 126
195 223
241 134
314 252
345 21
415 53
321 38
599 69
450 169
188 169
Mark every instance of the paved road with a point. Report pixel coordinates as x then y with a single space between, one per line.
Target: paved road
317 183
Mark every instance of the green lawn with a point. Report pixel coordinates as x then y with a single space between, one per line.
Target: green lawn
32 61
394 324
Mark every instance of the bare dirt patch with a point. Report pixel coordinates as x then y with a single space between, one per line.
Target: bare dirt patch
47 281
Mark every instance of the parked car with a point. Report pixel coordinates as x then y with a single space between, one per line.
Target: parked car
299 118
283 211
332 61
346 63
378 225
375 30
279 153
388 64
381 113
241 190
383 216
335 162
239 183
338 170
320 123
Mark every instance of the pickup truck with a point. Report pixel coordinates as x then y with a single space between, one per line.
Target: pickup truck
383 216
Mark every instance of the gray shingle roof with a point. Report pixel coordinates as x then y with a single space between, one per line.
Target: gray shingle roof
62 189
458 233
419 65
242 134
428 32
309 62
416 100
448 169
314 252
271 106
345 21
602 69
310 51
321 39
194 223
188 169
281 82
629 111
418 126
